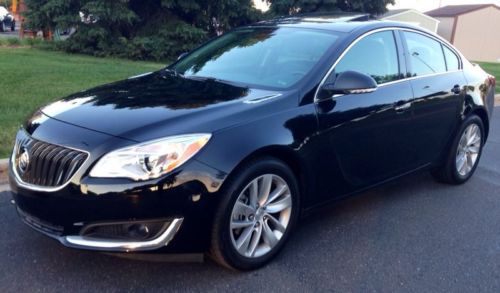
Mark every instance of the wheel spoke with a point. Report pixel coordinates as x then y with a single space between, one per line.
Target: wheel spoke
279 205
276 224
474 149
238 224
470 163
244 240
243 209
276 193
268 235
461 161
255 241
254 193
265 189
475 140
468 133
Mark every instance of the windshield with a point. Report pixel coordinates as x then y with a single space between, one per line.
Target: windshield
268 57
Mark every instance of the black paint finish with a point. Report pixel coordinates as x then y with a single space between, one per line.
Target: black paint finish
336 146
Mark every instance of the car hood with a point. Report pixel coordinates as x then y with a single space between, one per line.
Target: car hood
159 104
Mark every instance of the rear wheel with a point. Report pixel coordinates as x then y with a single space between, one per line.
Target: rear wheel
255 219
13 27
3 28
464 154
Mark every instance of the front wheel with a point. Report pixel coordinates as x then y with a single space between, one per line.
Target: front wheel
465 151
255 218
13 27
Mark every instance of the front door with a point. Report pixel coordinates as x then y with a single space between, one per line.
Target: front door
370 134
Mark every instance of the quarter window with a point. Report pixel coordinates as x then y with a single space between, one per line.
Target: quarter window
375 55
426 55
452 61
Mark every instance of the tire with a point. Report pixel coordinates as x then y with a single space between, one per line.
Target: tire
451 171
3 28
13 27
261 246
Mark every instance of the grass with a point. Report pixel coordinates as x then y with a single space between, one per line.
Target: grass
493 69
32 78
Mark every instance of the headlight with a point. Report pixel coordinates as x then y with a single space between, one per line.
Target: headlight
151 159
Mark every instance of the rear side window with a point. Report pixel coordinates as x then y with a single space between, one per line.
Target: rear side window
426 56
375 55
452 61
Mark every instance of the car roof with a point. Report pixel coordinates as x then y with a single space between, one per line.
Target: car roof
338 22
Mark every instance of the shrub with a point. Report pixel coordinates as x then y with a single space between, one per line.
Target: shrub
31 42
13 41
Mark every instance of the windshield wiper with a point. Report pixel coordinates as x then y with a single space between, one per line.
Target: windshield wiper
171 72
212 79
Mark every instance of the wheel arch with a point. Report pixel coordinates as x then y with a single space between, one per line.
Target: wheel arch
286 156
481 112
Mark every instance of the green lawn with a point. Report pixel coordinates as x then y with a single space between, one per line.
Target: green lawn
31 78
493 69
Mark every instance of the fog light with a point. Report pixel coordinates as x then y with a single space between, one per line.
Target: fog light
129 231
139 231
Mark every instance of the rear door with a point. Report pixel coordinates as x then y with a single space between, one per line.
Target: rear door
438 86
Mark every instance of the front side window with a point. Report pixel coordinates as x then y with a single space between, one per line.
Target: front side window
425 54
268 57
375 55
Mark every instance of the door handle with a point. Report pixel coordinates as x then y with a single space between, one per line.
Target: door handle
401 106
456 89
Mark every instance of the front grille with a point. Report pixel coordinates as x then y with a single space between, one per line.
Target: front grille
46 165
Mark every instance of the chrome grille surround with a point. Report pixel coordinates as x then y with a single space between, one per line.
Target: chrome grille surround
49 167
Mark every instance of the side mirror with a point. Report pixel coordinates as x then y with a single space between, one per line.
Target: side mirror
182 55
351 82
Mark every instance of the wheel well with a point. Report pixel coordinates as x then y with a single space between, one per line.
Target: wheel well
284 155
484 117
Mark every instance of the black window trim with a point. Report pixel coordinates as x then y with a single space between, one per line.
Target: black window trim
404 47
442 45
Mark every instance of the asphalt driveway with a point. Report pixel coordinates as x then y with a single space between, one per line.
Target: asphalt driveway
413 235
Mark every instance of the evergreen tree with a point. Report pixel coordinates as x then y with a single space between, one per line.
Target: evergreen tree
289 7
140 29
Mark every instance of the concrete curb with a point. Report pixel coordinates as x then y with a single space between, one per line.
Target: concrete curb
4 171
497 100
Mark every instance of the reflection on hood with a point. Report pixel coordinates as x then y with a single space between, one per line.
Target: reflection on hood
158 90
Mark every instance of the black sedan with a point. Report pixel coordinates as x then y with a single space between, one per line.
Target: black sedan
225 149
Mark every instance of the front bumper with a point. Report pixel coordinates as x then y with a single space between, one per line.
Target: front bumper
187 206
104 244
185 199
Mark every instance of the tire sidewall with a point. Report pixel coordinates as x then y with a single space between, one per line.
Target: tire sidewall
473 119
231 194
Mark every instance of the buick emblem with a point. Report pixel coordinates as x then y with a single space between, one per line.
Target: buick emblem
24 160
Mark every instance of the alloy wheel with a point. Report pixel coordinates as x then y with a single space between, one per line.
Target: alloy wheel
468 150
260 215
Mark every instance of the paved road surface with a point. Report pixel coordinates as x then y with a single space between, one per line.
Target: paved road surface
413 235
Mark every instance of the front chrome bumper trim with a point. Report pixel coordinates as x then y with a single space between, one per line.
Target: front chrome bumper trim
102 244
162 240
